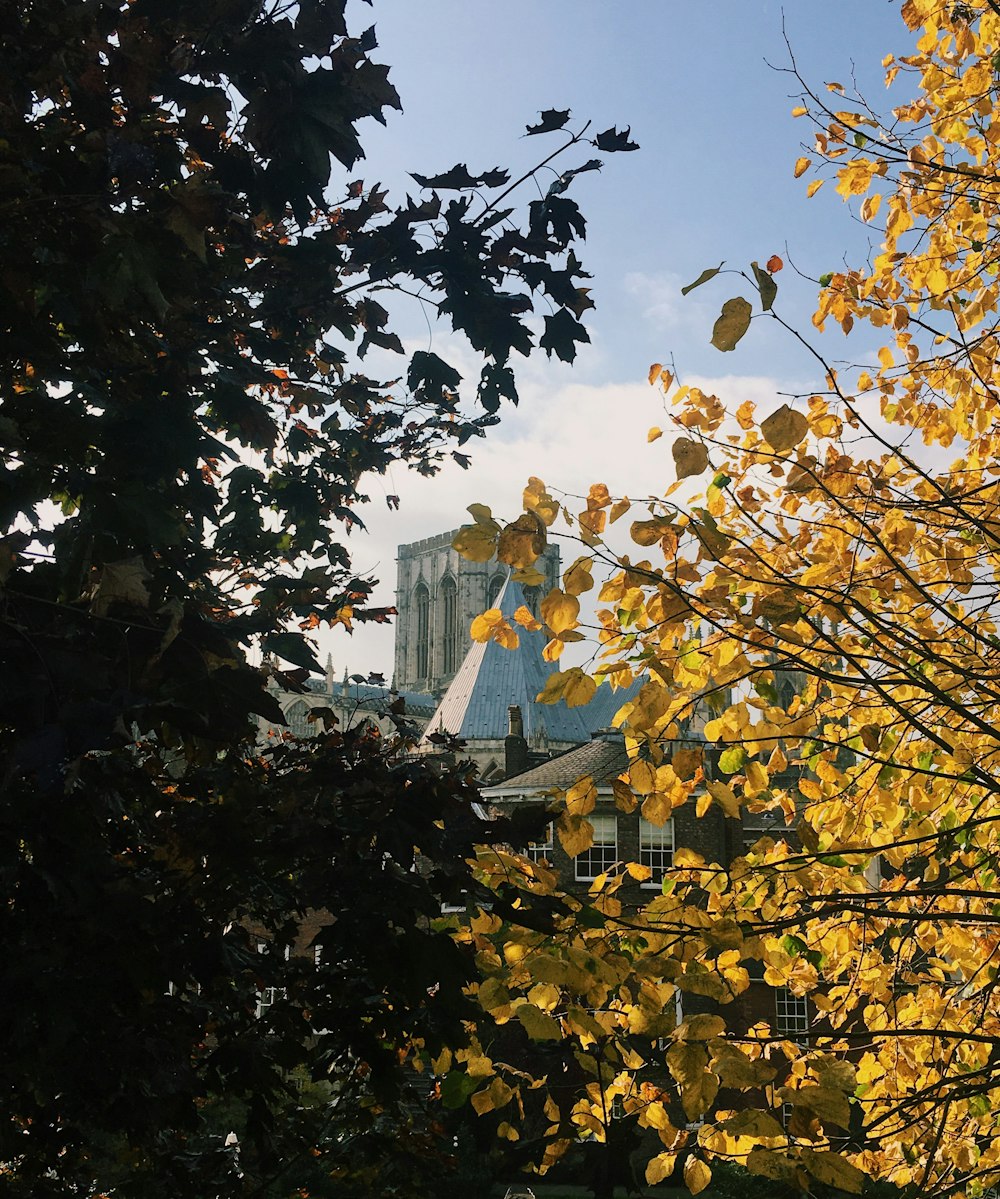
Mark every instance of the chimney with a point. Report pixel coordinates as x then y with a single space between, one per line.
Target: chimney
515 748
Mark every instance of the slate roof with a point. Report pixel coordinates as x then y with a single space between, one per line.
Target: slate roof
492 678
604 758
372 697
602 709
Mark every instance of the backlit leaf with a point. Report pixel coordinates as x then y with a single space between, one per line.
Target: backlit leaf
732 324
785 428
690 457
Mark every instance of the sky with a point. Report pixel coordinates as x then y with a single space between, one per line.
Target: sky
706 91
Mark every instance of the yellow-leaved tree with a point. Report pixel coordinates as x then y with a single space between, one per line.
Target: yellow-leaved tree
822 617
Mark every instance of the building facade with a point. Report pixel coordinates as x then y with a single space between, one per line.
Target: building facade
438 595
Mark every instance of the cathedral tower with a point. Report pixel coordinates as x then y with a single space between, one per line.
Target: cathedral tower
438 594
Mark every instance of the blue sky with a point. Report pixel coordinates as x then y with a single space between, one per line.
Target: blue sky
712 181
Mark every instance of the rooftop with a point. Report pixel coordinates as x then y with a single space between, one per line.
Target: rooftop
604 758
492 678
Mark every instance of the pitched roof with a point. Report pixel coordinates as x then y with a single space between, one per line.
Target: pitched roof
604 758
492 678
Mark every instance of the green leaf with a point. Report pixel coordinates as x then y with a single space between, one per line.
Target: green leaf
456 1087
294 648
704 277
766 286
733 322
731 760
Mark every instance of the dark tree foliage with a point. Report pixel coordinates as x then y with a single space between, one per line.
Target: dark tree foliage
189 280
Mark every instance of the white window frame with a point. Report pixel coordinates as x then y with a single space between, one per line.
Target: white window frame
791 1015
598 854
656 845
542 851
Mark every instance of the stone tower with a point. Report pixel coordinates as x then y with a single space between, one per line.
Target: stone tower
438 594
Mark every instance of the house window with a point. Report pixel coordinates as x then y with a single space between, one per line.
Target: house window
422 604
267 997
541 851
603 854
656 849
791 1014
449 604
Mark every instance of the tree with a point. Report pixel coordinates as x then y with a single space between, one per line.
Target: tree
846 540
188 290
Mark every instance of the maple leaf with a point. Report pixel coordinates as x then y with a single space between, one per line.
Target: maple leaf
612 140
460 179
551 119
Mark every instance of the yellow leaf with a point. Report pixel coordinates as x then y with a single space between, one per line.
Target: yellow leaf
483 516
725 797
833 1169
766 1163
522 541
482 627
870 206
751 1123
701 1028
654 372
697 1175
687 1061
528 576
537 500
744 415
619 509
577 578
756 779
654 434
642 777
492 994
575 834
476 543
553 650
736 1069
801 166
552 692
581 797
686 762
690 457
579 688
785 428
524 618
830 1105
539 1025
813 188
505 636
799 111
560 611
660 1167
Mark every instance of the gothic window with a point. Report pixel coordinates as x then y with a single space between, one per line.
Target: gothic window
532 597
298 720
422 605
493 591
449 606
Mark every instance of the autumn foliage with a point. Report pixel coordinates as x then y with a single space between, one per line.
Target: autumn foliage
822 618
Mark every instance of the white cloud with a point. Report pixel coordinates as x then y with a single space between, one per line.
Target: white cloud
570 434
